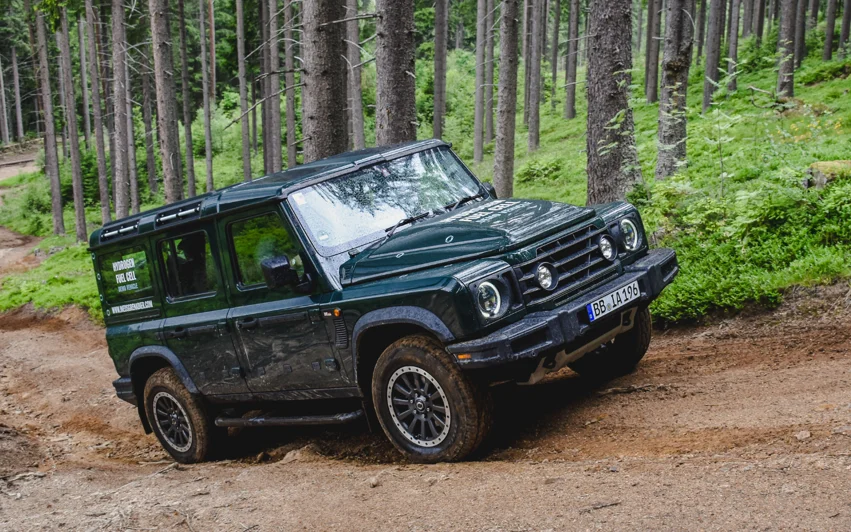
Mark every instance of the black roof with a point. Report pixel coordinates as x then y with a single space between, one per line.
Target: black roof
273 187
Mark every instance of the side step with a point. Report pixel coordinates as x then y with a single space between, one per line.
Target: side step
270 421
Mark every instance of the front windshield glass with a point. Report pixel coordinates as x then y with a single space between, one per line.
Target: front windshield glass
349 211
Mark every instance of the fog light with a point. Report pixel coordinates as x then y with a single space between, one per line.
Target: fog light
607 248
546 276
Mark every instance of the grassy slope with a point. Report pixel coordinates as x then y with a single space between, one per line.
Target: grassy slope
742 226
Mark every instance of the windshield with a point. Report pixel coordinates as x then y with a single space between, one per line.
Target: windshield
346 212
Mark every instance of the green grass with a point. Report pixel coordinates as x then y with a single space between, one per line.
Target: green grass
743 227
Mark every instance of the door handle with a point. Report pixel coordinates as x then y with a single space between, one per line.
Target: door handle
180 332
201 329
249 323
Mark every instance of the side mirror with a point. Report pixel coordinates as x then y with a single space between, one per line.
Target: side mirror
490 189
278 272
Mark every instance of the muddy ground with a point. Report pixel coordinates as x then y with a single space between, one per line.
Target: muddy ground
741 424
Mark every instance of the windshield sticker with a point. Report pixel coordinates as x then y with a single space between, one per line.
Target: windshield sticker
130 307
482 213
298 197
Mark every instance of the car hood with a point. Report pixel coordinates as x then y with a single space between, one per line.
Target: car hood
477 230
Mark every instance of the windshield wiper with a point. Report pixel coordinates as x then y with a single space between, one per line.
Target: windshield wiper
463 200
391 230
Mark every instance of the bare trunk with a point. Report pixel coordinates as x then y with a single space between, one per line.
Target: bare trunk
275 85
800 32
844 45
733 47
243 92
759 21
701 28
489 66
289 81
479 110
786 67
679 34
4 120
396 112
19 118
63 111
324 94
254 114
205 89
187 99
747 18
638 30
527 55
120 180
653 47
84 83
212 88
572 57
713 51
535 78
132 172
51 157
100 146
355 94
524 25
829 30
503 155
459 36
554 55
147 118
166 108
812 22
612 159
264 84
441 27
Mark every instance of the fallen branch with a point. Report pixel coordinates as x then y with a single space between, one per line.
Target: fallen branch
635 388
600 506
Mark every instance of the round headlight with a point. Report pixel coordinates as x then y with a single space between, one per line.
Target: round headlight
631 236
546 276
607 248
488 299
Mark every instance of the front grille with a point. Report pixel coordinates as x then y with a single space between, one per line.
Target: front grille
577 258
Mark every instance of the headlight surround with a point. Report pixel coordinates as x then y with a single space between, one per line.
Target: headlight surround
489 300
608 248
630 234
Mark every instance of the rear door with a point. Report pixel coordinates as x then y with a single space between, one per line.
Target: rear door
281 333
196 308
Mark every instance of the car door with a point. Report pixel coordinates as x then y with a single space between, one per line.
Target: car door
281 333
195 327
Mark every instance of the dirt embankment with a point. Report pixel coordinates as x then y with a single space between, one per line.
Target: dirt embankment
741 424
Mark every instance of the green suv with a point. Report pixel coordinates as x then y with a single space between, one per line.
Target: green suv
388 284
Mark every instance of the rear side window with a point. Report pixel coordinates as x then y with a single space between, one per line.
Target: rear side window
259 238
126 275
189 265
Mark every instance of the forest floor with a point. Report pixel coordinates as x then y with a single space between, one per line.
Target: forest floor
744 423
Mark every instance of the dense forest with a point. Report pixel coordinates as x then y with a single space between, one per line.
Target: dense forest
708 114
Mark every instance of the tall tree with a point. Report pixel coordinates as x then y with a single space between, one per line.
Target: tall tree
701 28
800 32
638 31
813 19
733 47
759 21
147 120
572 57
4 119
786 45
489 66
479 100
187 98
354 77
289 81
675 69
527 62
84 83
829 30
205 86
654 36
132 172
324 94
612 158
843 36
51 156
243 91
16 82
396 112
166 111
94 74
747 18
441 29
265 85
120 180
503 154
554 53
535 77
275 89
71 119
713 51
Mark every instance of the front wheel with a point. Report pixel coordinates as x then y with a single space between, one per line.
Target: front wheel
430 410
620 356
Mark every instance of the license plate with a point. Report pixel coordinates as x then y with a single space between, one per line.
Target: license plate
613 301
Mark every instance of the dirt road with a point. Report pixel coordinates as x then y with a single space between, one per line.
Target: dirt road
744 424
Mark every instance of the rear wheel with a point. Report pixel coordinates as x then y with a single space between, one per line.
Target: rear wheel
430 410
620 356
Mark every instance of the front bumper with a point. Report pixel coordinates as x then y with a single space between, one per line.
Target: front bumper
541 334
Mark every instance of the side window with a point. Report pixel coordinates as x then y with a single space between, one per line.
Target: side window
189 265
259 238
126 275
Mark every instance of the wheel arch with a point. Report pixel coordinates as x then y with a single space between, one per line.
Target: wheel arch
147 360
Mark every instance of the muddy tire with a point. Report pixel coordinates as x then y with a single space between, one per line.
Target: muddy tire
620 357
178 419
428 408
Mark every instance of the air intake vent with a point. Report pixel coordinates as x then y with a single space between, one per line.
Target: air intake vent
122 230
341 334
177 215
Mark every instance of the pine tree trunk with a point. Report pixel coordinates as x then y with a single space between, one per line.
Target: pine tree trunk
62 108
813 19
733 47
120 181
51 157
527 55
441 28
205 89
786 66
653 47
713 51
612 158
459 36
651 20
747 18
844 45
166 108
324 93
4 120
572 58
103 178
254 115
147 118
800 32
535 78
759 21
84 83
275 88
479 101
524 25
396 112
264 85
289 81
554 55
212 88
489 67
355 94
19 118
701 28
829 30
638 32
132 172
187 100
503 155
243 92
679 33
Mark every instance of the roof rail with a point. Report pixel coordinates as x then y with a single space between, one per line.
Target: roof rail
121 231
179 215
